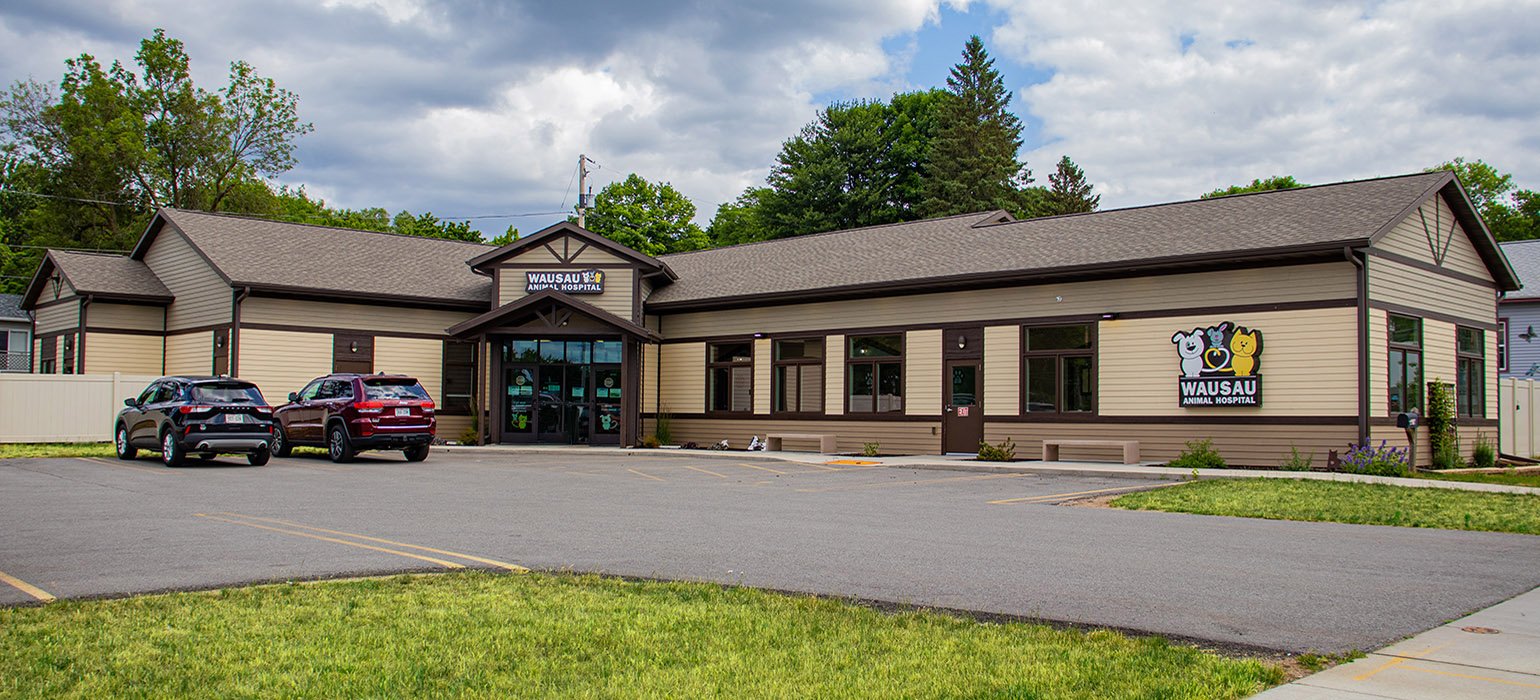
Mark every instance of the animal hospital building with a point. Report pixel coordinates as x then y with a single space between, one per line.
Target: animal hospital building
1304 318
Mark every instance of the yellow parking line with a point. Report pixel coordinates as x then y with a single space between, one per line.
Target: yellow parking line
643 475
1057 496
440 562
763 469
459 555
27 588
121 465
705 471
921 482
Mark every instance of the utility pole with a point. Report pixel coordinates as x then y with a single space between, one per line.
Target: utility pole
585 198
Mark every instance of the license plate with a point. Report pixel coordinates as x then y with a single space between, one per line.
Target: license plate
235 418
403 412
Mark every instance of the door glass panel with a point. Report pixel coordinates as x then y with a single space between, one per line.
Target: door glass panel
1077 384
606 352
521 400
964 389
577 422
553 351
607 384
1042 383
521 351
609 419
578 352
577 383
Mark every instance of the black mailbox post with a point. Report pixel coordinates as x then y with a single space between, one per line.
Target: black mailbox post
1409 422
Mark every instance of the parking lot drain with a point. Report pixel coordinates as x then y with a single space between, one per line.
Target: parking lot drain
854 462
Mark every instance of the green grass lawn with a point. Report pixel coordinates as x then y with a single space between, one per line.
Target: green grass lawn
495 635
1345 502
1513 479
56 449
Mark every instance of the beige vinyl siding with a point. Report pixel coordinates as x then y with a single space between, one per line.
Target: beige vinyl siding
1309 364
202 297
126 316
510 284
649 378
898 437
59 317
1411 239
1379 364
193 353
762 376
1269 285
922 373
1260 445
1395 283
117 352
683 381
1489 360
834 375
593 255
325 315
1002 370
279 362
37 353
1438 362
417 357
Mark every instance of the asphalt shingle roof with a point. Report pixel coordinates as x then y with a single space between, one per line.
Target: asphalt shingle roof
104 273
259 252
10 308
1524 256
960 246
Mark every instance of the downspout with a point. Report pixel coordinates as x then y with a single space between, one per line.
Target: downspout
1361 276
235 330
80 338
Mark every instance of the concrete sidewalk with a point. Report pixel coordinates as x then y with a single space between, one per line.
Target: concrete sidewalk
1492 654
1147 470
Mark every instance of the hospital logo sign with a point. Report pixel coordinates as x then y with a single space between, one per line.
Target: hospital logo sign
573 282
1220 366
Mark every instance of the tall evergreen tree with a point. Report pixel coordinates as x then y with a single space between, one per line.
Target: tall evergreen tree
973 161
1068 191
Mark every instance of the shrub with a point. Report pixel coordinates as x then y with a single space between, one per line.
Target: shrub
472 434
1483 455
1441 424
1376 461
1297 461
1447 455
871 449
664 430
1200 454
650 442
1003 452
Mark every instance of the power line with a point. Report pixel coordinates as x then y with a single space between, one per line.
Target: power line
503 216
70 199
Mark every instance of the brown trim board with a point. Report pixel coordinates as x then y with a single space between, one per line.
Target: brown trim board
1435 315
336 330
1430 267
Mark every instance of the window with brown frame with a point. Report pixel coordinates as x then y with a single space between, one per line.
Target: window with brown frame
1405 349
67 355
1470 394
797 370
47 355
875 367
1058 369
730 377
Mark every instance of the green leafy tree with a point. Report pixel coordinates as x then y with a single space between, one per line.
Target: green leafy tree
972 164
741 220
1276 182
508 236
1068 191
649 218
1512 214
427 225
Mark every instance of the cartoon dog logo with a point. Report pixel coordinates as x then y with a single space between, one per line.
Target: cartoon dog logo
1244 348
1190 346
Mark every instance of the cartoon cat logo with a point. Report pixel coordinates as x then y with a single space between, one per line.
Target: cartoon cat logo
1190 346
1244 348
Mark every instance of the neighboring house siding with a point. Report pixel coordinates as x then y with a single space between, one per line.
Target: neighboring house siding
1002 370
190 353
1523 353
116 352
381 319
202 297
126 316
54 318
279 362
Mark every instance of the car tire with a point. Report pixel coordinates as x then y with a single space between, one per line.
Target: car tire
416 453
126 450
259 457
281 447
338 446
171 452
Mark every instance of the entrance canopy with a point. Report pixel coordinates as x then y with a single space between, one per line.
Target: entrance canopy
550 312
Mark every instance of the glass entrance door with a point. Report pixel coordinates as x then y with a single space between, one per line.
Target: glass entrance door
566 391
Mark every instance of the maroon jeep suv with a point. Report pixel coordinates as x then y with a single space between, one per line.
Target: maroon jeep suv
348 413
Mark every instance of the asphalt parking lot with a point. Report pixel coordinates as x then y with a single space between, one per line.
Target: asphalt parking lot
993 543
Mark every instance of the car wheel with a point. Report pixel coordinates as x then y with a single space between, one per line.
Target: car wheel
125 450
338 446
170 450
416 453
259 457
280 442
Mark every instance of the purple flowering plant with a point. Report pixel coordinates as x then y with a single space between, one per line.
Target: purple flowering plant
1376 461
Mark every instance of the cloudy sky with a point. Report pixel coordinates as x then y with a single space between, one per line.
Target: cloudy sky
481 107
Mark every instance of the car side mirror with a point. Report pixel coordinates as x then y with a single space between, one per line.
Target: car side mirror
293 396
131 403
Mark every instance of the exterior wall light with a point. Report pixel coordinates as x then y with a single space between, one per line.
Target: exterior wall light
962 341
1109 316
353 346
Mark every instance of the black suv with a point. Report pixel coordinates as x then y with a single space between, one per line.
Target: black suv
205 416
346 413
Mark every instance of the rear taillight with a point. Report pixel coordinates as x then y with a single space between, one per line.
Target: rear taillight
369 406
194 409
427 407
263 409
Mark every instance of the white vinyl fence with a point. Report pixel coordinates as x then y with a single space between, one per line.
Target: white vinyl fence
63 407
1518 424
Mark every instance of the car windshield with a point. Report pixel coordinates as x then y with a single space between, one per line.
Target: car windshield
394 389
226 392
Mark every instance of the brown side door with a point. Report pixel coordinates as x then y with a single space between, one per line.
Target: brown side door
962 418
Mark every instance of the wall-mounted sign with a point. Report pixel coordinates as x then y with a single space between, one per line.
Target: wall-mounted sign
1221 366
571 282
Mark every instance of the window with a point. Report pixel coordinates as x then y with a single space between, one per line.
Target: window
1502 345
335 389
875 368
165 391
226 392
47 349
1405 363
798 376
459 377
1057 369
1470 386
388 389
148 394
311 391
67 356
730 377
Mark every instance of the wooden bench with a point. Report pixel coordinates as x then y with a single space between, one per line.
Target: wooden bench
825 442
1130 448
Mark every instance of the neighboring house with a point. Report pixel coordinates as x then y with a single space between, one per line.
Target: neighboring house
1300 318
15 335
1518 335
